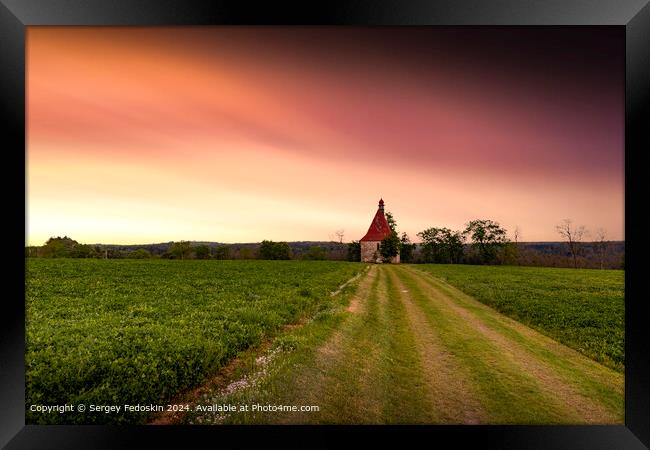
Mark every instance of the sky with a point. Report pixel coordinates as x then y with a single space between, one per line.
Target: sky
156 134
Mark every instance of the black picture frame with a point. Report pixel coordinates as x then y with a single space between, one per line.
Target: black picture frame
633 15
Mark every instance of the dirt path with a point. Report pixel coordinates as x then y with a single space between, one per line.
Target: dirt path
448 389
411 348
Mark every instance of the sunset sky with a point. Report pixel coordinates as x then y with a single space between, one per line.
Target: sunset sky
142 135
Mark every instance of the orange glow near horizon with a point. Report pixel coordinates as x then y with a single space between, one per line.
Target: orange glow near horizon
142 135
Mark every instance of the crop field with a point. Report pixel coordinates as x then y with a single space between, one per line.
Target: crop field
409 348
583 308
399 344
138 332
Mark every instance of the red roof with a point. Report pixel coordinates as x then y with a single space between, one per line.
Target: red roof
379 228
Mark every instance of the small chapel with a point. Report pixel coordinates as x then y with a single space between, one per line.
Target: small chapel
378 230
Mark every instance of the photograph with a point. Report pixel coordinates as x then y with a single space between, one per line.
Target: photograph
325 225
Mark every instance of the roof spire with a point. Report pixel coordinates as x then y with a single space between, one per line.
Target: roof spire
379 227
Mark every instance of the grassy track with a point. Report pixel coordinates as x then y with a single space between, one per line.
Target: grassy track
582 308
411 348
138 332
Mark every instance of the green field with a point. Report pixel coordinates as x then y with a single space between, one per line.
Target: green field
584 309
408 348
400 344
138 332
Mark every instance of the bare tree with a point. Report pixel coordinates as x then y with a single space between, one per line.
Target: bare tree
513 247
340 234
573 235
601 244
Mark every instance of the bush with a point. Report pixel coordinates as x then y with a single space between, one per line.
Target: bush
140 253
202 252
315 253
275 250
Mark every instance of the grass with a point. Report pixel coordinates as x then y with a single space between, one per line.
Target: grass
583 308
293 375
137 332
510 397
398 346
589 379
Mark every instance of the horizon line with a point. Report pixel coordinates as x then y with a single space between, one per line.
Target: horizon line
307 241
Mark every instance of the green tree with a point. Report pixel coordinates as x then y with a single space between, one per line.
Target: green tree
202 251
488 238
406 249
442 245
181 250
274 250
390 246
82 251
222 252
354 251
392 223
59 247
140 253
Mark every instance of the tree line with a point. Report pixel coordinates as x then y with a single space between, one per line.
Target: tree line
484 241
481 241
66 247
